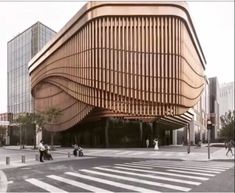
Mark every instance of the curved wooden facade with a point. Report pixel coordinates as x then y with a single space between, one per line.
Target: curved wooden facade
138 60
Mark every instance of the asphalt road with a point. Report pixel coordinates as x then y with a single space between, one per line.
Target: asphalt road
132 175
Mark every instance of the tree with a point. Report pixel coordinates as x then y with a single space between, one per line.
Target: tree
227 121
29 121
52 115
39 121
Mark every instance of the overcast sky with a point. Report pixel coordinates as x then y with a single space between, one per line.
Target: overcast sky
214 23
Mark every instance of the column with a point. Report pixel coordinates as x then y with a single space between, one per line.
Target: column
174 137
107 133
141 133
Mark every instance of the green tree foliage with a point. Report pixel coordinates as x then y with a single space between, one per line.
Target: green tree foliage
227 121
52 116
28 121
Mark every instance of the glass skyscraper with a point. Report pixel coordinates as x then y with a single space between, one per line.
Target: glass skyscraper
20 50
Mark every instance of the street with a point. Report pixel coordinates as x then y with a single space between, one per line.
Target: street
102 174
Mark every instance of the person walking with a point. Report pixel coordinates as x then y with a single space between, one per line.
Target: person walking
156 144
41 150
147 142
229 147
75 150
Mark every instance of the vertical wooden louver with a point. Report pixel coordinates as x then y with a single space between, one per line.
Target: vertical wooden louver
144 65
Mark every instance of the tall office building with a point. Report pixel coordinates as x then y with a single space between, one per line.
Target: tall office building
20 50
226 97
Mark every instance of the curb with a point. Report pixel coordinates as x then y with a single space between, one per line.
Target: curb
34 163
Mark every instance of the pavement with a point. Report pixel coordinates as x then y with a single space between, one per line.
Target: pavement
64 154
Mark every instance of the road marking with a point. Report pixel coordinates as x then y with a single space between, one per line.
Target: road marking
123 152
169 186
78 184
163 173
132 166
10 182
44 185
136 153
150 176
187 163
183 168
117 184
3 182
185 172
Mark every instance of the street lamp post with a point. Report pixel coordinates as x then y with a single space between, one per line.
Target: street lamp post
208 136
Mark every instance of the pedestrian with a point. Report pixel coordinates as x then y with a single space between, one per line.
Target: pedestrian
156 144
75 150
41 150
47 153
199 144
80 151
229 147
225 144
147 142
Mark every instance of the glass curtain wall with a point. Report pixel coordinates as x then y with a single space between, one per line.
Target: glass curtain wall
19 52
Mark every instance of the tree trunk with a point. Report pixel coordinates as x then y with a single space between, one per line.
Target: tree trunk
20 136
35 136
52 140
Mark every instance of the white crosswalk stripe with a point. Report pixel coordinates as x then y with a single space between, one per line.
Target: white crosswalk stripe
183 168
123 152
179 188
109 182
78 184
134 166
164 173
141 176
44 185
150 176
186 172
195 164
137 153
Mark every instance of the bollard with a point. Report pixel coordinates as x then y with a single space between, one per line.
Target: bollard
69 154
23 158
7 160
37 157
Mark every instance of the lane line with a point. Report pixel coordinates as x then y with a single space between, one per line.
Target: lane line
44 185
78 184
117 184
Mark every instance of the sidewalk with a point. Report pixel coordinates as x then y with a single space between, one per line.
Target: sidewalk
165 152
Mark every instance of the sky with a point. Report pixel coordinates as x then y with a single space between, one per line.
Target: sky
213 21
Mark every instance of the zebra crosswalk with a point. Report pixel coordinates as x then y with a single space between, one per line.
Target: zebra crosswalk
141 176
